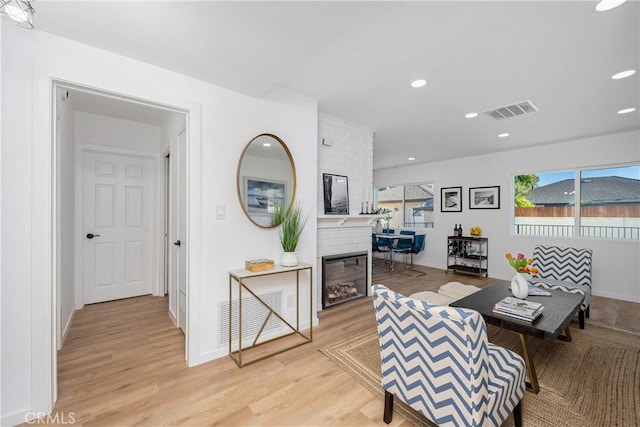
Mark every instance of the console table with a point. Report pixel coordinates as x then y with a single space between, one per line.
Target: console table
240 277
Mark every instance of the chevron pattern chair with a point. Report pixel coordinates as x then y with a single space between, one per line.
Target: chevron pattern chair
566 269
437 360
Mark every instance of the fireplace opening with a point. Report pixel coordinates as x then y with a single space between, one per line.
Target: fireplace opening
344 278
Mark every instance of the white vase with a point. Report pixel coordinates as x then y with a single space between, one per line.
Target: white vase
289 259
519 286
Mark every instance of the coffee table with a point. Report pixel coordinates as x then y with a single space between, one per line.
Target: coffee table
559 309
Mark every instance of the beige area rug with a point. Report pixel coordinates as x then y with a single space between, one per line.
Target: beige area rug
594 380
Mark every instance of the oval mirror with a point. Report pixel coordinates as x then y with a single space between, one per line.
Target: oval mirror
266 177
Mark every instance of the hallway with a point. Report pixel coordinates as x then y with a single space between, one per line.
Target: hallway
95 369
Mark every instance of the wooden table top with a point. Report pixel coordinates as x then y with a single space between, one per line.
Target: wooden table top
559 309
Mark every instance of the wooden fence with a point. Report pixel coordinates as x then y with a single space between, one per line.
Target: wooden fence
607 211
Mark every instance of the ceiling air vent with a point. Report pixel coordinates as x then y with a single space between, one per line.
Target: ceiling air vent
513 110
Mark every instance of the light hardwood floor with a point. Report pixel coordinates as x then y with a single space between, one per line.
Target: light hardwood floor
123 364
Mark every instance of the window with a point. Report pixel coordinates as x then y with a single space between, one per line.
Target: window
409 205
608 203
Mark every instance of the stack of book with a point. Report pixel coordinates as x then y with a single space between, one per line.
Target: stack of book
518 308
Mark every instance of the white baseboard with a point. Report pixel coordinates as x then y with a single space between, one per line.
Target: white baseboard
616 296
17 418
173 318
65 329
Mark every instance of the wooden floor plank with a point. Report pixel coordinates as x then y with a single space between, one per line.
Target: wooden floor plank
123 364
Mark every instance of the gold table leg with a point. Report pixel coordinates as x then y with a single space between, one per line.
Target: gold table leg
236 355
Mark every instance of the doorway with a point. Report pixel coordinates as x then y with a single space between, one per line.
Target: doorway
109 233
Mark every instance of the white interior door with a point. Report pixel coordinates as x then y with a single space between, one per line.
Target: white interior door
178 231
118 219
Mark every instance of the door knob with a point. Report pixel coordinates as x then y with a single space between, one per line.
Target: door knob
177 243
91 235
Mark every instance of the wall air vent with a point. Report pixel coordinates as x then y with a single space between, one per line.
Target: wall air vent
513 110
253 317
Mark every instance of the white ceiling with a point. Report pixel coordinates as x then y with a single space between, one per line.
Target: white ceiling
358 58
121 108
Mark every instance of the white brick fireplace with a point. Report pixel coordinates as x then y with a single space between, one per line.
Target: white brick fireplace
345 149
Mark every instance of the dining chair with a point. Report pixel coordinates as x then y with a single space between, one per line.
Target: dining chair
385 244
417 246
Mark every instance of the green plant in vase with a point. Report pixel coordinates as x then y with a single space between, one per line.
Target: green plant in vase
292 222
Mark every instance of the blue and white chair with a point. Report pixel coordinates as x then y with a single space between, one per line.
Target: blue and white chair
438 361
566 269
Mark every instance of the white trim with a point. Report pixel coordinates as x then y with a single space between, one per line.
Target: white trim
43 281
194 232
162 218
65 329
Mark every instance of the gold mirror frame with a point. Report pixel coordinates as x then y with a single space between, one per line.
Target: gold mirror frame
259 213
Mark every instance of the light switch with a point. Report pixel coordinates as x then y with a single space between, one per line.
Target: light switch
220 211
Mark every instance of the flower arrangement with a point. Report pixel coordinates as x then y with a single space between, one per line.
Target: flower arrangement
521 264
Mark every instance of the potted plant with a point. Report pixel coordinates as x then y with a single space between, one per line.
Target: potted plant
292 222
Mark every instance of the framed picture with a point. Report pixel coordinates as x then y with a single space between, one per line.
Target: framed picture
484 197
336 194
262 195
451 199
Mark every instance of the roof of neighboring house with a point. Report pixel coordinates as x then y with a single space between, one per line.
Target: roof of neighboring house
597 191
413 192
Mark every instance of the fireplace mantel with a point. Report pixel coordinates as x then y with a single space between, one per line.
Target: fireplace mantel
338 221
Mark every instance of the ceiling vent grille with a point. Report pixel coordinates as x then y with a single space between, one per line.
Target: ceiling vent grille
514 110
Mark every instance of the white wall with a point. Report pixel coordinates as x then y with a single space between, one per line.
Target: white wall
220 123
16 347
111 132
616 271
66 219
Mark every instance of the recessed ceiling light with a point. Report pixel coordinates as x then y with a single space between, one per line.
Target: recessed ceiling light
503 135
627 110
411 159
418 83
471 115
266 144
623 74
604 5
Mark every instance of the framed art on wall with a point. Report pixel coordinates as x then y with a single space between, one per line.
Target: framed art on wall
451 199
263 194
484 197
336 194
